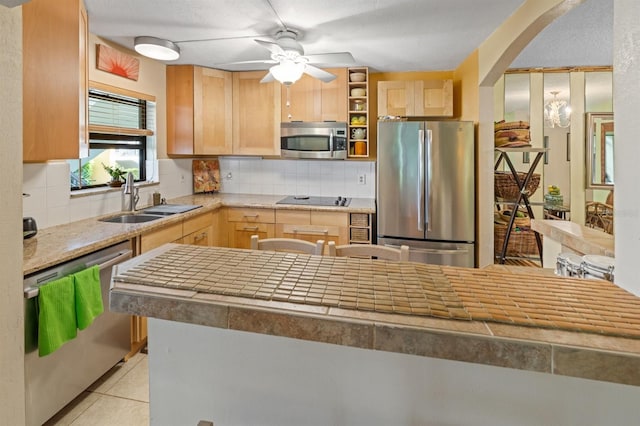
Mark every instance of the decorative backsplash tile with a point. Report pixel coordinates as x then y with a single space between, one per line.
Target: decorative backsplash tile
297 177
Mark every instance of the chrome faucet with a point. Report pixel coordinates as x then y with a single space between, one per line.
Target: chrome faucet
130 195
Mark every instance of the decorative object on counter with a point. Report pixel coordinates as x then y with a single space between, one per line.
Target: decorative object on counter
206 176
553 197
29 227
512 134
156 198
569 265
116 173
115 62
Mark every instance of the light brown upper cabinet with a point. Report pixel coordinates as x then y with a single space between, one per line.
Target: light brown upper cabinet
418 98
199 113
55 80
256 114
310 99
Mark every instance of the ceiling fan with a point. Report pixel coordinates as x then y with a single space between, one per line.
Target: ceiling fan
290 61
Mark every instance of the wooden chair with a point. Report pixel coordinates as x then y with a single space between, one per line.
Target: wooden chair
600 215
287 244
369 250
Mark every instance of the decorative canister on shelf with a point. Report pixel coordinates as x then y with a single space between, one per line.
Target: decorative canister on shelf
360 148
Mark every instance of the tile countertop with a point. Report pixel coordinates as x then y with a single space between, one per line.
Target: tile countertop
61 243
577 237
572 327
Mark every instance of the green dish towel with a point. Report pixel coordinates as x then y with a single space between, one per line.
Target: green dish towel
88 296
57 315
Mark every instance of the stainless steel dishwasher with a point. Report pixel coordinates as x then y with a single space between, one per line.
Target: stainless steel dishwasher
55 380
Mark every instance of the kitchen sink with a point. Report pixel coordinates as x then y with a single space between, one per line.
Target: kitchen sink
131 218
169 209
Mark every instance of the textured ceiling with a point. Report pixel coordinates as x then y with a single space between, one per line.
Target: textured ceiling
386 35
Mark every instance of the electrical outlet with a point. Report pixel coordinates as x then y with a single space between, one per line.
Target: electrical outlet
362 179
229 176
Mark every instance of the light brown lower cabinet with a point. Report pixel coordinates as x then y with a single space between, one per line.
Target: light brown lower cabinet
198 230
313 226
243 223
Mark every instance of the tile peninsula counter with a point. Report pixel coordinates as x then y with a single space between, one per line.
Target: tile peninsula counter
248 337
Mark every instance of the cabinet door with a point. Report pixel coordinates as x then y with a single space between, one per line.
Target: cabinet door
313 226
240 233
213 112
199 113
180 112
201 237
310 99
220 236
256 114
396 98
334 97
302 100
55 80
153 239
433 98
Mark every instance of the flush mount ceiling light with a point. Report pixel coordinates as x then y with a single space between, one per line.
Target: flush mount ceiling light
287 72
556 112
157 48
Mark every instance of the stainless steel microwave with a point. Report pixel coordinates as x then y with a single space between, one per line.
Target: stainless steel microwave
321 140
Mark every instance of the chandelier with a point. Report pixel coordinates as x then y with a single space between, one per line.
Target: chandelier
556 112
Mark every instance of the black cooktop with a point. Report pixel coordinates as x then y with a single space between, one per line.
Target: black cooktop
305 200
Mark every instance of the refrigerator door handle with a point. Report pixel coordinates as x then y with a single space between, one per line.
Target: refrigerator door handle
428 179
421 218
431 251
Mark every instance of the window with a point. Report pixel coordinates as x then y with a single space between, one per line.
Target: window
120 131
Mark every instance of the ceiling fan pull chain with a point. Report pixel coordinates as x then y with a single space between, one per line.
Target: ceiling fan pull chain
288 104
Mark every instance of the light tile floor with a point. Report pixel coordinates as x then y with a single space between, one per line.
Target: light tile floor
119 398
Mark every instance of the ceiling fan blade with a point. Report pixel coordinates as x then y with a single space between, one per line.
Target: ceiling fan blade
268 78
331 58
316 72
271 46
257 61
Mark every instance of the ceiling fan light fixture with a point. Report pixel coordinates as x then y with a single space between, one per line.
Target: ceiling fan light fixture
156 48
287 72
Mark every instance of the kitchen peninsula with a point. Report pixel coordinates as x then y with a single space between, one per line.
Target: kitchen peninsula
246 337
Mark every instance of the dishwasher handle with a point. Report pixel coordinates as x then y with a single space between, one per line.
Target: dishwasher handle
103 263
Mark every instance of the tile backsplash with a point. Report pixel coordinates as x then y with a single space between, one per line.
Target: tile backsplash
51 203
297 177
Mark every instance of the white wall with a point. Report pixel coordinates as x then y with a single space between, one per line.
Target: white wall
12 408
240 378
626 104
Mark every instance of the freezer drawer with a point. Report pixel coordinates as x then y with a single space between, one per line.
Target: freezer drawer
437 253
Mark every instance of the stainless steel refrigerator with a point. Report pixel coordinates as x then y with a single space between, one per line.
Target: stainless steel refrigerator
426 190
